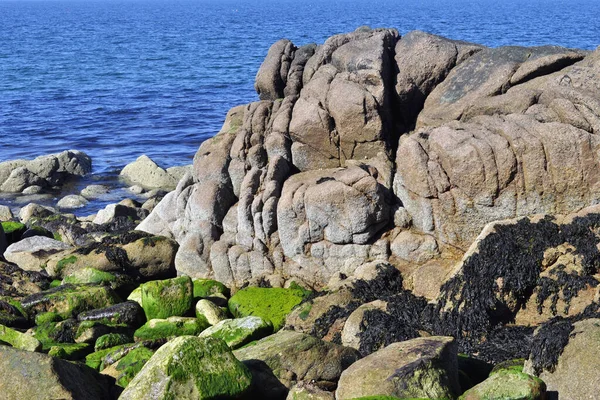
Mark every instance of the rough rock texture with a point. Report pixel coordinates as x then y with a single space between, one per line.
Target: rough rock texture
571 377
45 171
190 367
26 375
31 254
419 368
148 174
508 385
375 147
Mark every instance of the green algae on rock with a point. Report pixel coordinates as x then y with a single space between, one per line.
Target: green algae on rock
19 340
240 331
271 304
170 327
507 385
190 367
89 275
70 351
204 288
69 300
13 231
111 340
132 363
167 298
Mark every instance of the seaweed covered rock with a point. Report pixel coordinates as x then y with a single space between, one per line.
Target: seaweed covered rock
54 378
240 331
16 282
69 300
70 351
167 298
565 354
126 368
170 327
201 368
111 340
208 288
13 231
270 304
19 340
508 385
423 367
281 360
32 253
127 313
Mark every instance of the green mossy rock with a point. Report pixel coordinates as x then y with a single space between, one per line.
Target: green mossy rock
167 298
70 351
508 385
240 331
170 327
19 340
510 365
271 304
46 317
136 295
111 340
69 300
13 231
90 331
96 359
129 366
26 375
205 288
193 368
211 312
55 333
89 275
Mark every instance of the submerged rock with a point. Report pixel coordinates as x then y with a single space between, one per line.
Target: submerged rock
190 367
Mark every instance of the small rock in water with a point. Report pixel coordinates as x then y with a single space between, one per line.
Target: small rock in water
136 189
94 191
72 201
35 189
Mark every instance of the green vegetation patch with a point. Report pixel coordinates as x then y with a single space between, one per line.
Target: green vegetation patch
70 351
89 275
111 340
167 298
271 304
204 288
238 332
19 340
170 327
131 364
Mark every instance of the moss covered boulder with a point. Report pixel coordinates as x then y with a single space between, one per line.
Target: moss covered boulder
190 367
27 375
167 298
70 351
19 340
170 327
240 331
508 385
89 275
126 368
13 231
69 300
207 288
271 304
111 340
421 368
280 361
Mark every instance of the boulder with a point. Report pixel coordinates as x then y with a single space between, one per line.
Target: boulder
54 378
13 231
211 312
355 324
91 192
281 360
148 174
17 282
309 391
420 368
202 368
111 340
507 385
32 254
19 340
33 210
270 304
167 298
126 368
6 213
568 371
240 331
128 313
113 211
45 171
272 75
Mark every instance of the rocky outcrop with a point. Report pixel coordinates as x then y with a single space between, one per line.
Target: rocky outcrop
146 173
44 171
376 147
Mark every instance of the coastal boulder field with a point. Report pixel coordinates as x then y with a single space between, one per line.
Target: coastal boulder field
398 217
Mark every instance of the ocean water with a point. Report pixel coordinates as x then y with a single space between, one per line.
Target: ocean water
121 78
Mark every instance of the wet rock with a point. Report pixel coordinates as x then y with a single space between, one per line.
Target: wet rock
166 298
72 201
423 367
16 282
148 174
508 385
32 253
128 313
281 360
271 304
205 367
70 300
91 192
240 331
355 324
113 211
170 327
55 378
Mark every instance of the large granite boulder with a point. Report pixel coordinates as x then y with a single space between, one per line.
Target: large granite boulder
146 173
44 171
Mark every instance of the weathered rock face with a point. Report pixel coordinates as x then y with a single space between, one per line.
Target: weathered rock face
148 174
44 171
375 147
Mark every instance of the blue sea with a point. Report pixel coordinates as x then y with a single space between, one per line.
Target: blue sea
121 78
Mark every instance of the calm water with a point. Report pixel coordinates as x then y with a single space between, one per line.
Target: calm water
119 78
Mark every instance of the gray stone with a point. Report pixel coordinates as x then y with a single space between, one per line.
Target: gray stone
31 254
33 190
112 211
147 174
34 210
5 213
420 368
72 201
94 191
